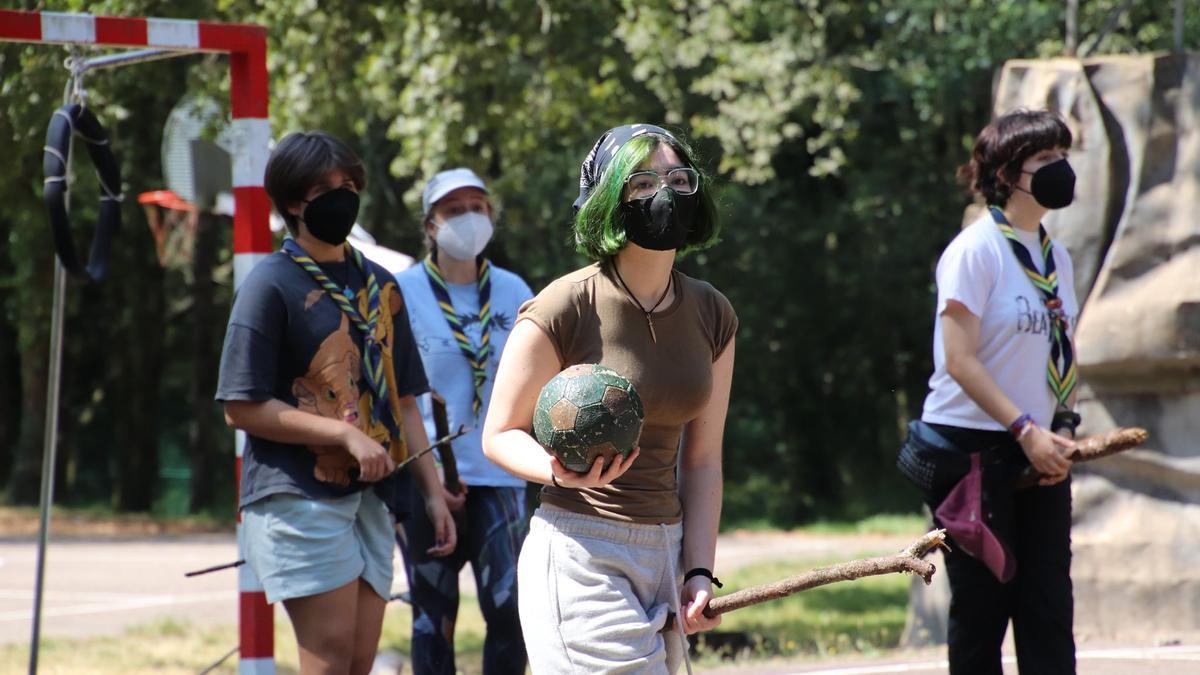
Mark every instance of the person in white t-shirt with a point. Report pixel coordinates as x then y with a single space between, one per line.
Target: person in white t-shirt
462 308
1004 387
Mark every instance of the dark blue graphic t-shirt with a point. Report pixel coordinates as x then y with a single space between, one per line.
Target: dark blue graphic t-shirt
288 340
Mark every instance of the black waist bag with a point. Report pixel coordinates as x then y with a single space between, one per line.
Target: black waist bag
931 461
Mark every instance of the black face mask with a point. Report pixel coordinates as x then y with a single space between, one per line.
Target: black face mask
1053 185
661 222
330 216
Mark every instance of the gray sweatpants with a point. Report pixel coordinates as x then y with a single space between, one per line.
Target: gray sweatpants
595 594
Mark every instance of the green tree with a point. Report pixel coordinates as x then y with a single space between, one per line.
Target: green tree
114 348
834 127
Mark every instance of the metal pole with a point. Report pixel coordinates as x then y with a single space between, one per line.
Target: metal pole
49 452
1178 26
127 58
50 436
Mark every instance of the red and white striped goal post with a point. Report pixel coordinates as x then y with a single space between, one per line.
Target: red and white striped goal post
246 46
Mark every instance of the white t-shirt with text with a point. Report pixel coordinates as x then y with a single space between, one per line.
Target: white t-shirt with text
980 270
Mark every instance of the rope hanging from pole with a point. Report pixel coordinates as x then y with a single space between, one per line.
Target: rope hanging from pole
75 119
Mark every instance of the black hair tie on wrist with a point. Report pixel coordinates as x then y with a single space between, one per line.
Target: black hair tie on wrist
703 572
1066 419
554 479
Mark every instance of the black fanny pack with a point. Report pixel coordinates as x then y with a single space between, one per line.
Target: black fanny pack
930 460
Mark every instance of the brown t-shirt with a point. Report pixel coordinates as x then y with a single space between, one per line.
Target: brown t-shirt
590 319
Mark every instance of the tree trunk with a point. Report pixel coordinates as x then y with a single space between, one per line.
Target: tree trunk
10 382
138 342
33 335
203 451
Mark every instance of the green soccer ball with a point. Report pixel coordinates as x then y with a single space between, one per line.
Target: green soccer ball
588 411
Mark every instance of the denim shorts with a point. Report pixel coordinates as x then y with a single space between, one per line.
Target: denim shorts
300 547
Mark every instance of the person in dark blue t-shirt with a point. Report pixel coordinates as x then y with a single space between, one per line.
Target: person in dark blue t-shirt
320 370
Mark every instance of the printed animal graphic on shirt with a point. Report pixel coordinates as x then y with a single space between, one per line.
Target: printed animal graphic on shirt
391 302
330 389
470 322
500 321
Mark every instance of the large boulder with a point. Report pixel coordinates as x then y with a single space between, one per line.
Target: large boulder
1134 235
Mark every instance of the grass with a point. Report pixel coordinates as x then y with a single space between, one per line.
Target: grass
103 521
165 646
883 523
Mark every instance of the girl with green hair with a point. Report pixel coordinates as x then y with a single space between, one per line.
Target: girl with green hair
614 553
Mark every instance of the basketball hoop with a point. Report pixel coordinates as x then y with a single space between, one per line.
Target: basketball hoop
172 221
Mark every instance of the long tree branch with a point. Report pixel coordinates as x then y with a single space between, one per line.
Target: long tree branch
908 560
1092 447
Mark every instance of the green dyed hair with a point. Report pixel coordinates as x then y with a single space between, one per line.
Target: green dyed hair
599 231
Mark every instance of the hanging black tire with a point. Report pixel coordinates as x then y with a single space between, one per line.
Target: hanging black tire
78 120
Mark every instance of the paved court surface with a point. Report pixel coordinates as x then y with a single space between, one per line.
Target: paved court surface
99 586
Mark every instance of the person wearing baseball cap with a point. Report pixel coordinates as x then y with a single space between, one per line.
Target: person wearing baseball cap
461 308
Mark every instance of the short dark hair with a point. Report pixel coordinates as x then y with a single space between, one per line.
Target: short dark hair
599 230
1004 145
300 161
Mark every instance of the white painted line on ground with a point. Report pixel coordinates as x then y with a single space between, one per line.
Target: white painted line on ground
120 606
1173 653
881 668
89 596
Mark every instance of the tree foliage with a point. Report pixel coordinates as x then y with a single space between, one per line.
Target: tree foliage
834 127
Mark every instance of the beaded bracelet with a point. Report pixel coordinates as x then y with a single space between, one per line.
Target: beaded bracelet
1017 428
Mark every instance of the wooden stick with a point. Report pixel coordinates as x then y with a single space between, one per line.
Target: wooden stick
462 430
441 428
215 568
1092 447
908 560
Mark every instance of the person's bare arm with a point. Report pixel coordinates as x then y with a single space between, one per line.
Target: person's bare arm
960 337
277 421
425 473
701 489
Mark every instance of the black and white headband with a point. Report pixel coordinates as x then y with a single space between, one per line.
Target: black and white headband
604 150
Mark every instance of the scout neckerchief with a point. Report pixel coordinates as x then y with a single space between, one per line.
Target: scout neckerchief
1060 369
372 361
477 358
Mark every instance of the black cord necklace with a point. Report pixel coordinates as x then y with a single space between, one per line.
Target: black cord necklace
647 312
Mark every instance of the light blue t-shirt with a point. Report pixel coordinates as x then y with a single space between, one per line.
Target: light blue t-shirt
446 367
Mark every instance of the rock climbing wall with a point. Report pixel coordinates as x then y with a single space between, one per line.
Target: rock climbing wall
1134 235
